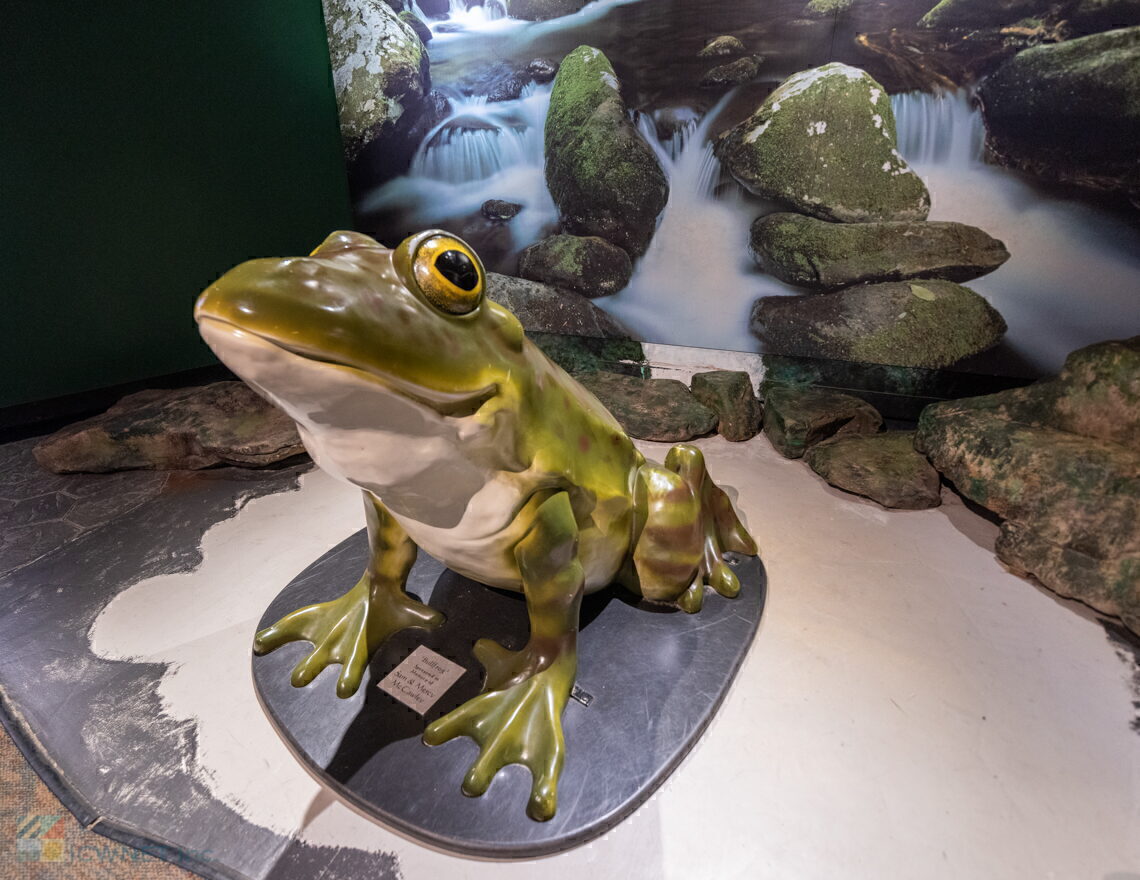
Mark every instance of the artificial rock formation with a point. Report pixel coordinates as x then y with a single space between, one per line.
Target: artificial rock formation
1059 461
651 409
883 467
184 429
729 394
796 417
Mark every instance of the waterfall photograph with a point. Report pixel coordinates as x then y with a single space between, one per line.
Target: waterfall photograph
951 185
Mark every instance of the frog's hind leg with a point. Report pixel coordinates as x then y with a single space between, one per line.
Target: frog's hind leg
687 525
348 630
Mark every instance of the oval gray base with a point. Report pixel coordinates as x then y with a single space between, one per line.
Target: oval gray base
654 677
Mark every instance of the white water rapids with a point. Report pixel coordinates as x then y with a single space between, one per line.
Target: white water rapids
1073 277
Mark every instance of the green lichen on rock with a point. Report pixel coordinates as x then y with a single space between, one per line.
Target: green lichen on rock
883 467
588 265
931 324
725 76
603 176
821 8
379 67
724 46
1060 462
796 417
816 254
543 308
1070 111
823 143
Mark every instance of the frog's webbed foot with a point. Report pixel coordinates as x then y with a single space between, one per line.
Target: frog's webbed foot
518 717
349 629
346 630
689 525
519 725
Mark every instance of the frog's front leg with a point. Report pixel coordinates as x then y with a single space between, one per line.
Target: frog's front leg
348 630
518 717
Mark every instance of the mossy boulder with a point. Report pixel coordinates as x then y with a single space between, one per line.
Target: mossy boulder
980 13
883 467
651 409
823 143
603 176
1059 461
824 8
925 323
726 76
729 394
1070 111
543 10
380 74
416 24
798 417
724 46
816 254
588 265
183 429
542 308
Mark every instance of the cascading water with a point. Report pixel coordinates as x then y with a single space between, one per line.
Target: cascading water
482 150
696 283
1074 270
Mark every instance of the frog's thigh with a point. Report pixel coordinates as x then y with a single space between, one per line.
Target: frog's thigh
668 550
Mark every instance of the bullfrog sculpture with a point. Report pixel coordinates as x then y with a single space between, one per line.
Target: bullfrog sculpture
406 381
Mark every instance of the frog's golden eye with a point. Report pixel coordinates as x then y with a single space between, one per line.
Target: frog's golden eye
449 274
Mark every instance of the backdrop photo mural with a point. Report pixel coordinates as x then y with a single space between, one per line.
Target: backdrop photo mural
863 180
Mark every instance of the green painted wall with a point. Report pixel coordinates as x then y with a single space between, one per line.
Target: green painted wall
145 148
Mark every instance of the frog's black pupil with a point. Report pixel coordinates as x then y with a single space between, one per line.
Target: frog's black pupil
457 268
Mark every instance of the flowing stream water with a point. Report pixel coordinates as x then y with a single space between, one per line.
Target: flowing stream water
1072 278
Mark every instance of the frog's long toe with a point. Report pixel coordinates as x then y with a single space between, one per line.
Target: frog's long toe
347 631
519 725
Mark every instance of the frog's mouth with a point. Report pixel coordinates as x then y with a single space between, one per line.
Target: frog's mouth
455 404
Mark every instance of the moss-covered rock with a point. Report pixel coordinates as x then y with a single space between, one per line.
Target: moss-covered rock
824 256
824 8
823 143
1060 462
587 265
980 13
724 46
542 308
1070 111
380 74
883 467
797 417
651 409
543 10
729 394
924 323
603 176
416 24
726 76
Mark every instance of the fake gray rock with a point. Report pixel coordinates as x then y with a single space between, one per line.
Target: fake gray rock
729 394
883 467
796 418
1059 460
185 429
651 409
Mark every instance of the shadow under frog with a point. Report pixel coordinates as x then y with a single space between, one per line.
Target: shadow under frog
469 443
